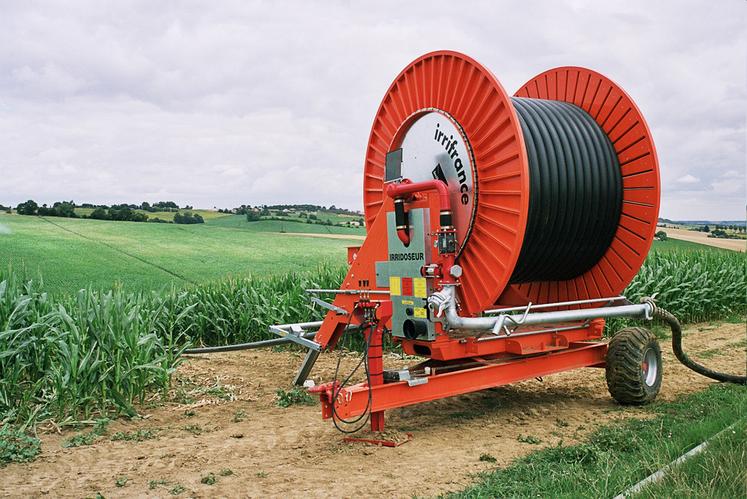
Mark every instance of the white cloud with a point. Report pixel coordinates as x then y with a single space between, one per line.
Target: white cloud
254 102
688 179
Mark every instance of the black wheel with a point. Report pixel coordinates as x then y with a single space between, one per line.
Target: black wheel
634 366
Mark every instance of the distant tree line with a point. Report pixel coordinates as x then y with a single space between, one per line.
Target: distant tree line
735 228
188 218
116 212
722 234
59 209
119 213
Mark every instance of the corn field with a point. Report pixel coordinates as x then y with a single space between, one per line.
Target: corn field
98 353
694 286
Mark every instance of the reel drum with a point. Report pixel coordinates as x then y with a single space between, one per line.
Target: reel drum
454 122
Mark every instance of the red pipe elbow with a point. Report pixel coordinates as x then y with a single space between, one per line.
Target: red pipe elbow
404 189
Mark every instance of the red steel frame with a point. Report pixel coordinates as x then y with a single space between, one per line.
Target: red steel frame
458 364
489 373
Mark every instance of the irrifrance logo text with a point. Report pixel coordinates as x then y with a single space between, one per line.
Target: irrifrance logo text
449 144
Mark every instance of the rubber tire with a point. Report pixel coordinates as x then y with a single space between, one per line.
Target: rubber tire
625 378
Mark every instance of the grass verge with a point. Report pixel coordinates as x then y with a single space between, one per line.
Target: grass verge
619 455
720 471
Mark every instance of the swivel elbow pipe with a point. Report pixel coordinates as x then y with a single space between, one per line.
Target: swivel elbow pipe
398 192
407 188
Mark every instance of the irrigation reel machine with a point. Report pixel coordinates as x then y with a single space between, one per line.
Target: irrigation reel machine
501 232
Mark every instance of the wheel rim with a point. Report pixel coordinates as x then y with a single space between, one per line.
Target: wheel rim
650 367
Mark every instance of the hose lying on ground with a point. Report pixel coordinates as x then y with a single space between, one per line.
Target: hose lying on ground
676 328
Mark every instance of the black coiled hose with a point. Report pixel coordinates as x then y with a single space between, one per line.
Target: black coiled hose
676 328
575 192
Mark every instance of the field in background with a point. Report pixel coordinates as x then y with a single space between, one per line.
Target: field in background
163 215
74 253
290 226
703 239
678 245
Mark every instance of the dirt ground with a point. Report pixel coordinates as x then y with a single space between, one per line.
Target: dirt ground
234 424
702 238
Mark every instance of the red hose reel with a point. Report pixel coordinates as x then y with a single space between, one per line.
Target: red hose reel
470 96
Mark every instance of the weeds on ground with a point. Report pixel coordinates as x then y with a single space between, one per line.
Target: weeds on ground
294 396
529 439
121 481
153 484
208 479
239 416
561 423
194 429
177 489
16 446
87 438
134 436
487 458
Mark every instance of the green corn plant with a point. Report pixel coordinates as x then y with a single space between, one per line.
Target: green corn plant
91 353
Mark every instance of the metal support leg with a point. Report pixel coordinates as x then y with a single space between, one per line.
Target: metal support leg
306 367
376 369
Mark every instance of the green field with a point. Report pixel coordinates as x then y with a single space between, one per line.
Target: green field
74 253
290 226
163 215
680 245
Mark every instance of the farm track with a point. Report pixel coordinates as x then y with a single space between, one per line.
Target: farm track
702 238
291 452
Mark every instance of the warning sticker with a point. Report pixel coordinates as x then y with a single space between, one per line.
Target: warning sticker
395 286
419 287
420 313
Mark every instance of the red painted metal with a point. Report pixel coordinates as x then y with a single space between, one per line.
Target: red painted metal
488 373
353 253
447 348
409 188
470 95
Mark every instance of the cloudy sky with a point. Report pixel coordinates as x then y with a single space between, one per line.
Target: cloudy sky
226 103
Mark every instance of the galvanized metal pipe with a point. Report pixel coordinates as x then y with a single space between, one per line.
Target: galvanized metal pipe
558 304
495 324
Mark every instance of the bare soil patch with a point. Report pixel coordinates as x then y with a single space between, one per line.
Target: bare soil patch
234 424
702 238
